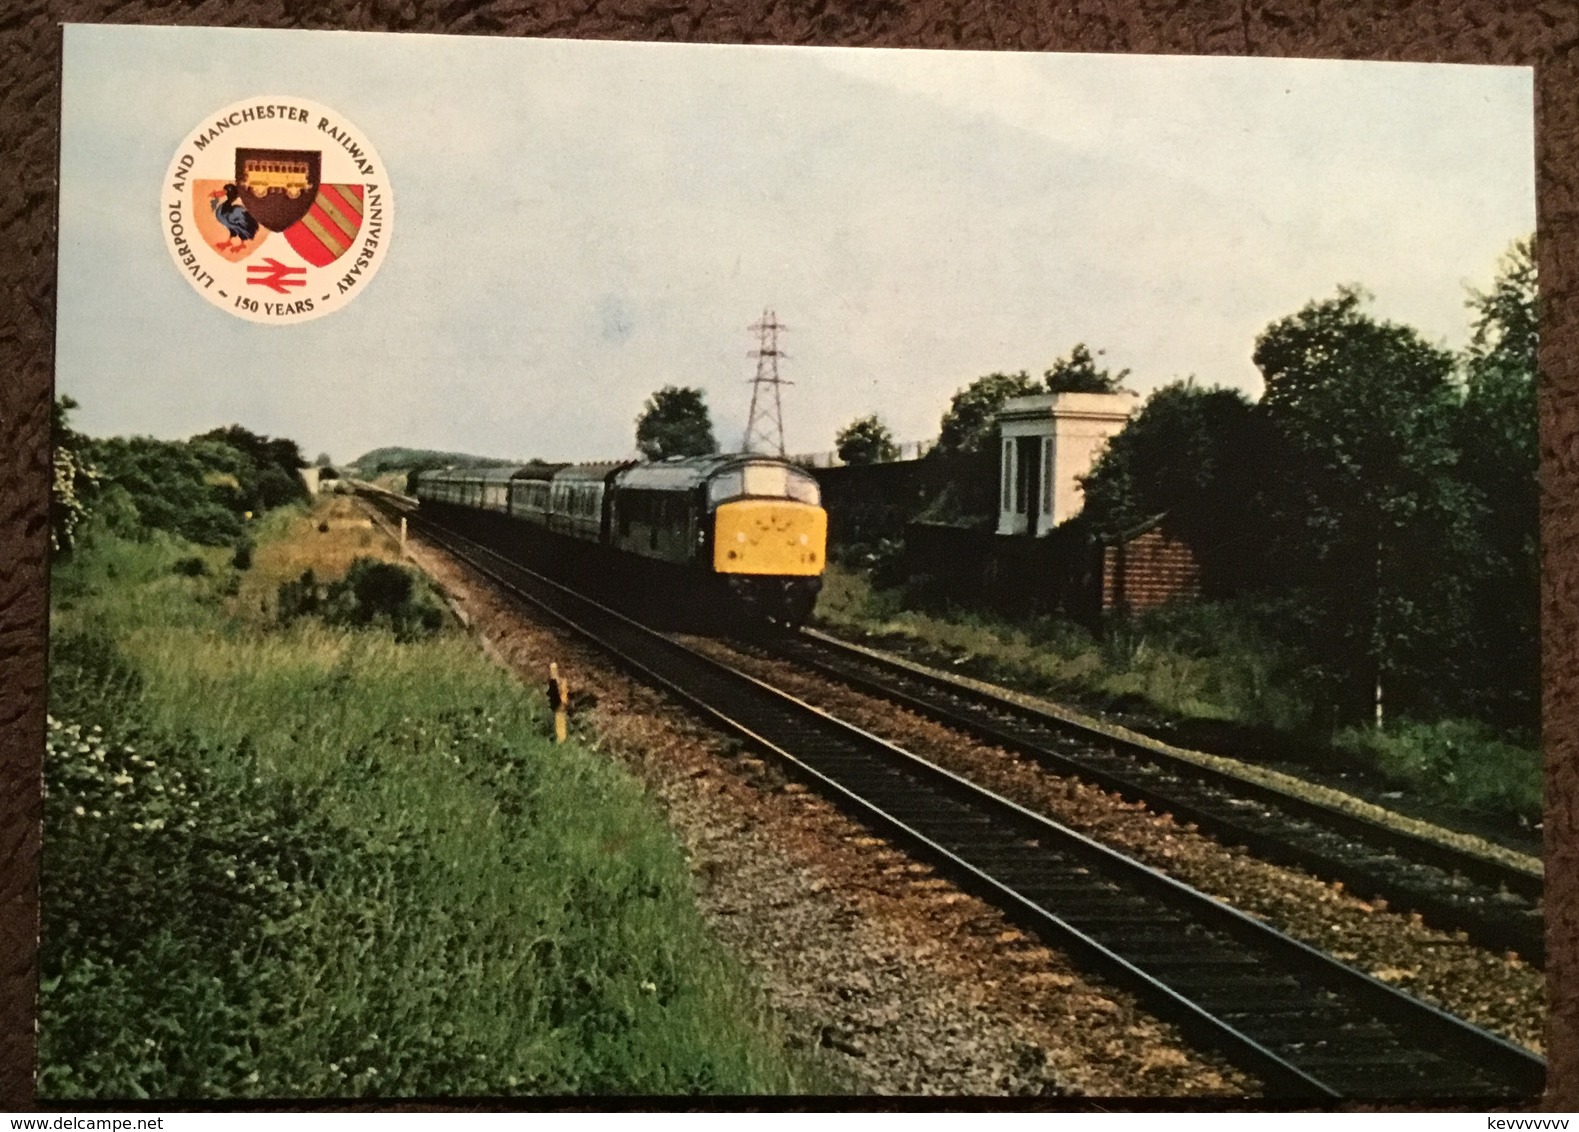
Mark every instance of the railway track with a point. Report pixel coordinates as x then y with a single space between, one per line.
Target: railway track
1497 905
1303 1023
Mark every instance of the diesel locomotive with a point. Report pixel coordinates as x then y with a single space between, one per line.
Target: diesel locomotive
744 533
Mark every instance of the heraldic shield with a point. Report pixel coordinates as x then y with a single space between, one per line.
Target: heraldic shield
330 226
278 185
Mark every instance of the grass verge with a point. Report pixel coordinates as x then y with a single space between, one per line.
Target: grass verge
1191 664
283 858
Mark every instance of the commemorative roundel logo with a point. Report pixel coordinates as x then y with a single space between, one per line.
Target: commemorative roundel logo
277 209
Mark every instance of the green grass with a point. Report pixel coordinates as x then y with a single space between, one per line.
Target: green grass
1188 664
1454 761
297 860
1195 663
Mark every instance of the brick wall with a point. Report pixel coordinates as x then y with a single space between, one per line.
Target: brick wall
1146 571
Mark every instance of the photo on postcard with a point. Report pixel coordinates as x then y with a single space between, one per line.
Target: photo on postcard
789 570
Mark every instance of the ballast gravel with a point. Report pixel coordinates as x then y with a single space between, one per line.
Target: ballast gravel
1500 993
886 978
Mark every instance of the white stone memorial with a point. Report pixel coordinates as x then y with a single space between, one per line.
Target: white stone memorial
1049 441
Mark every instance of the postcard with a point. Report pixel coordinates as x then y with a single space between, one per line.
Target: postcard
592 569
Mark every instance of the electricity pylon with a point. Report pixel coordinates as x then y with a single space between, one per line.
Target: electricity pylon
765 425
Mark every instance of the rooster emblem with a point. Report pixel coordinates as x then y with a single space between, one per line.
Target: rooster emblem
233 216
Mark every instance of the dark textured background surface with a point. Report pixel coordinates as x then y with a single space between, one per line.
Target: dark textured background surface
1544 35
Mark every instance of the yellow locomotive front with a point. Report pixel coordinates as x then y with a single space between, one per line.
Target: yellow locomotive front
769 537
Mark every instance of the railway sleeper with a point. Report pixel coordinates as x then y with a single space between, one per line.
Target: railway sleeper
1143 944
1074 905
1382 1070
1030 868
970 830
1239 992
1297 1030
1135 929
1148 960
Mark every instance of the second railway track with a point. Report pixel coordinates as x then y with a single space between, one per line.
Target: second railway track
1497 905
1302 1022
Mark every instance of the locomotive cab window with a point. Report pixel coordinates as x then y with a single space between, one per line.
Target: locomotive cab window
770 480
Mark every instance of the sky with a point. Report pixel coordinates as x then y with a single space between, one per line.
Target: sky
579 223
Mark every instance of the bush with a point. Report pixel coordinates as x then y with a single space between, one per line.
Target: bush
208 523
372 593
1453 761
242 559
191 566
198 489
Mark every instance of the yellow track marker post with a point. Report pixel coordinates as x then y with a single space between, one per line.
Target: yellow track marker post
559 700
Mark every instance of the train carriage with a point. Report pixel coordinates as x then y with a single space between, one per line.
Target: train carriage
492 487
577 496
530 492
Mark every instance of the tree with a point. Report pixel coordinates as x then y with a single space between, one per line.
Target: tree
73 480
1078 373
1368 518
1499 458
675 422
270 474
866 441
184 487
199 489
324 460
1197 456
969 426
